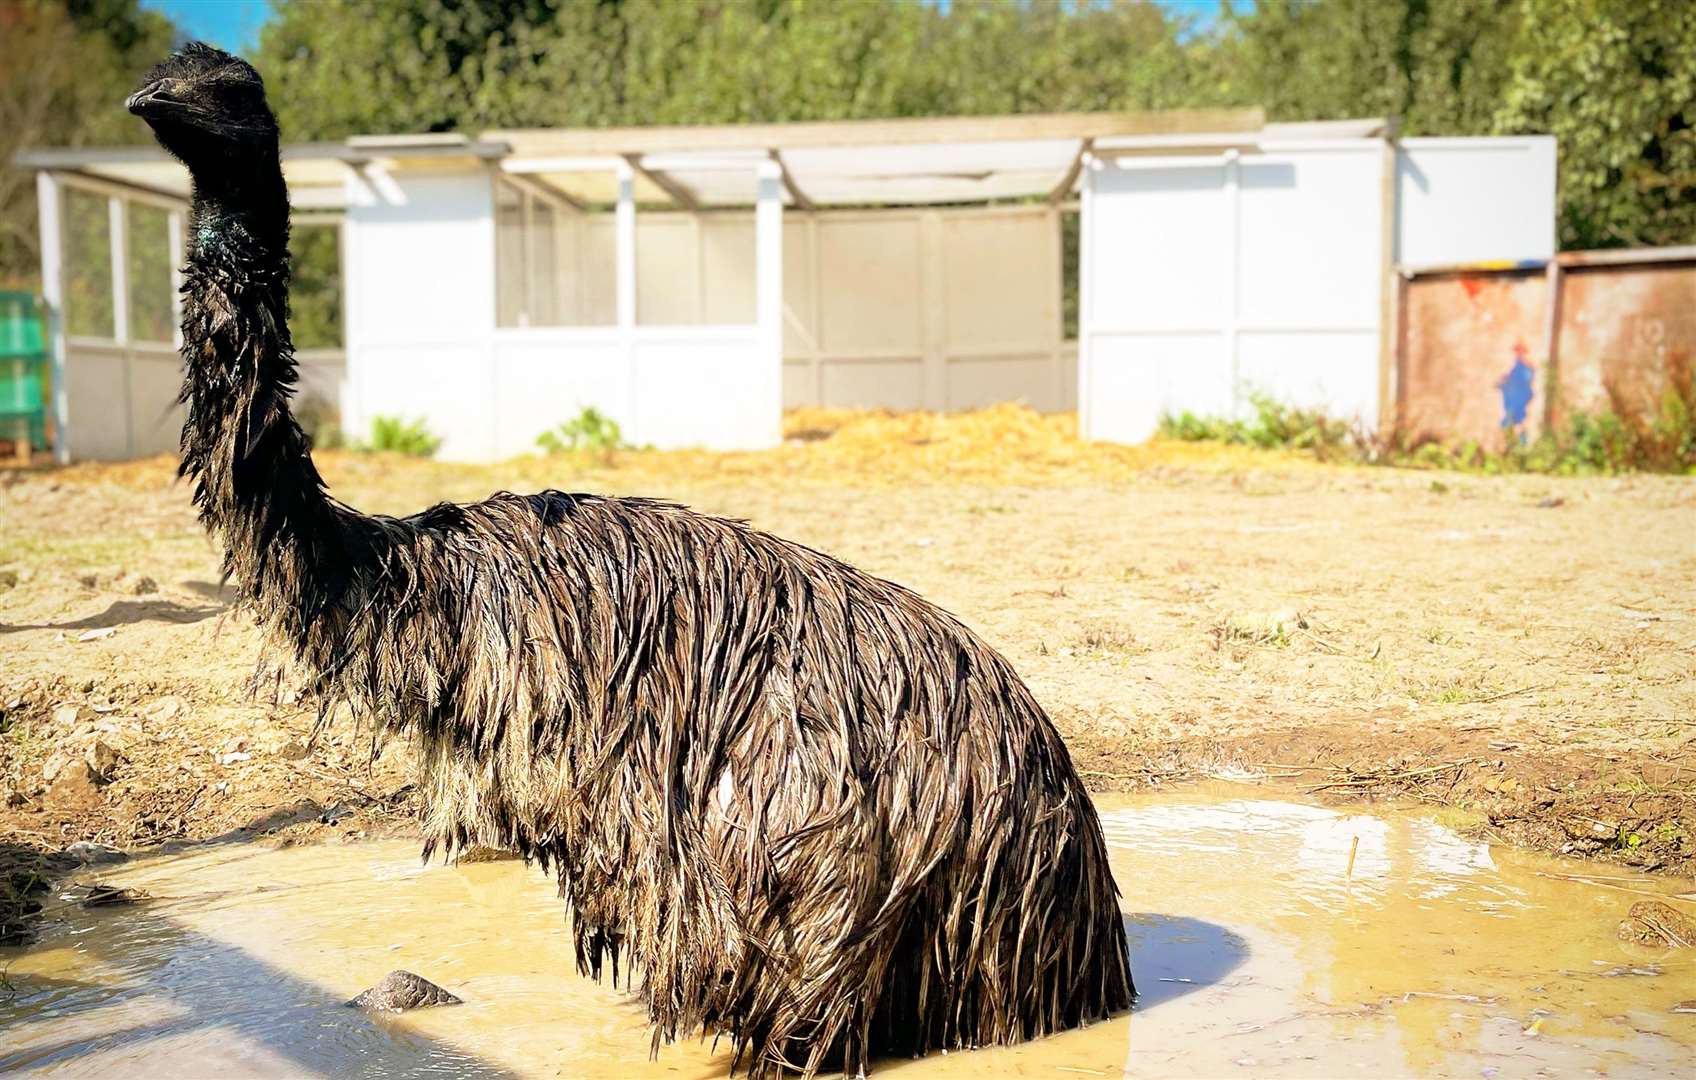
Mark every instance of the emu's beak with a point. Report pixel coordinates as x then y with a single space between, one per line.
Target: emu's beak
155 99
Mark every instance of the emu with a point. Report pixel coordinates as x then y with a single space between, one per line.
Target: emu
805 809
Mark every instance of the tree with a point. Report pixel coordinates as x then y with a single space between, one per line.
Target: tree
65 68
518 63
1615 82
1435 66
344 67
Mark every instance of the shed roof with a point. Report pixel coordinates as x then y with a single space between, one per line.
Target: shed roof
824 163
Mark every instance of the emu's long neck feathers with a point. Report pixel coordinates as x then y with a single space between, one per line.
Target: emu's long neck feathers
286 544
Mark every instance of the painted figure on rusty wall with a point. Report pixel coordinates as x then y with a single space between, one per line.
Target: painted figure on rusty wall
1518 388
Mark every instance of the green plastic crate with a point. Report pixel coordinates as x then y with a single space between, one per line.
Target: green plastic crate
23 367
21 332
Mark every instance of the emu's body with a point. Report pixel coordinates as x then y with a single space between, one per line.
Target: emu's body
805 807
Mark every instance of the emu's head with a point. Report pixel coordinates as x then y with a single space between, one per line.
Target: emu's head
207 108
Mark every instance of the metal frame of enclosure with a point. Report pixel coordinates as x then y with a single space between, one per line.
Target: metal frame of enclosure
495 286
114 345
103 370
692 282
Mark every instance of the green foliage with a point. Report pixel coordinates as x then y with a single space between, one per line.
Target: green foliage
1588 444
505 63
590 430
1615 82
315 295
88 265
1437 66
1612 78
1274 425
148 253
1609 441
326 434
65 68
391 434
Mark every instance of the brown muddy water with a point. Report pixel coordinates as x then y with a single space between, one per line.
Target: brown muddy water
1257 951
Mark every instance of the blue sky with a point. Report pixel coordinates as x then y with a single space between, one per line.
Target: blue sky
229 24
234 24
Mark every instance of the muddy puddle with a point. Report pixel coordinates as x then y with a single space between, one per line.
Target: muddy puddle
1257 951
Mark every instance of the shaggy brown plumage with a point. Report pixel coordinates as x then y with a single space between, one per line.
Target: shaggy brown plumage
801 806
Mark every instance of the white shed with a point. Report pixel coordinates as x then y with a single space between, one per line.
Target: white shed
1214 270
693 282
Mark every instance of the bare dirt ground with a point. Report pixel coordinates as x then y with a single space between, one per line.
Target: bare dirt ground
1520 649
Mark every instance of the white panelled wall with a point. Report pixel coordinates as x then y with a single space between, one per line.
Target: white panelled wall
423 341
1209 279
420 278
1475 200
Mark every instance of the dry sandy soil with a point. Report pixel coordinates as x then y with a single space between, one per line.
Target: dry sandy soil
1521 649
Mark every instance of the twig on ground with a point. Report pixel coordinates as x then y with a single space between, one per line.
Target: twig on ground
1147 775
342 780
1511 693
1319 641
1372 780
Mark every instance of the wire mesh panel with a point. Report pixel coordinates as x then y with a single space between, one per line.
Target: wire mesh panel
147 255
315 291
554 260
88 265
121 374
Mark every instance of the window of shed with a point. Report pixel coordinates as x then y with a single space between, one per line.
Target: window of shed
315 295
555 260
147 251
88 265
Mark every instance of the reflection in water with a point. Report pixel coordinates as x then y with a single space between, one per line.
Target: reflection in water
1258 951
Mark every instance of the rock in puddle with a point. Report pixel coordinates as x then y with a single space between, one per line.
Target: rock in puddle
402 991
1651 922
112 896
92 854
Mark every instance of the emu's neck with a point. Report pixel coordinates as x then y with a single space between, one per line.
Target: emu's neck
285 543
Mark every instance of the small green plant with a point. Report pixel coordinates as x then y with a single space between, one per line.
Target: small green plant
591 430
1188 427
328 436
1604 442
1273 425
391 434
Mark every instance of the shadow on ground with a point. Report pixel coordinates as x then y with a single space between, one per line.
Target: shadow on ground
148 961
128 613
